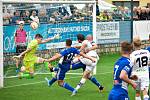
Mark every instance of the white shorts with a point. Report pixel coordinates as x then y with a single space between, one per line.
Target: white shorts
144 82
89 64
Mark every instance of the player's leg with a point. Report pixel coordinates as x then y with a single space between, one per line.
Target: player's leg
83 80
17 60
138 89
86 62
87 75
78 65
60 77
51 82
96 82
54 79
145 87
28 71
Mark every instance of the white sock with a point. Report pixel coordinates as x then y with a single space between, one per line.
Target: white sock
138 98
82 82
145 97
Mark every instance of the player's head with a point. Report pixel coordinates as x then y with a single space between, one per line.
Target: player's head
89 37
21 24
80 38
136 42
38 37
126 47
68 42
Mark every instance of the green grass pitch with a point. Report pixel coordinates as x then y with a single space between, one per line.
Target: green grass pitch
37 89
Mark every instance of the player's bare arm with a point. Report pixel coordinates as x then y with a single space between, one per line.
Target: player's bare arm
56 56
50 39
124 77
88 57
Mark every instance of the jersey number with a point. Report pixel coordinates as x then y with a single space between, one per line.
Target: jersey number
143 61
115 71
70 56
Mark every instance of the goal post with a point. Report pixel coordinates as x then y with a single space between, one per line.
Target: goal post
1 46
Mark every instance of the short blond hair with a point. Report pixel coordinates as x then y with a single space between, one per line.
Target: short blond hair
137 41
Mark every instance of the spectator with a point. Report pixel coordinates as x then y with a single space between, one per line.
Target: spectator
135 14
20 41
42 16
6 18
63 11
16 17
34 17
104 16
27 17
148 13
143 14
126 13
77 16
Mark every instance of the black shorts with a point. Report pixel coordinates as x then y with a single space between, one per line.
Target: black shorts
20 49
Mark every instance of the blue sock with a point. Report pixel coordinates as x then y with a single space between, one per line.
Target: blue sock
68 87
53 80
93 80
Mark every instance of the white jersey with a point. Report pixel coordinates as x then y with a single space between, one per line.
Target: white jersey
140 60
92 53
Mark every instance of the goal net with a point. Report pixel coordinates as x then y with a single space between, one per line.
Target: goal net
68 18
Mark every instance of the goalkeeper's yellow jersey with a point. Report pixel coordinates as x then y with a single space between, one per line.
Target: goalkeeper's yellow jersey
30 56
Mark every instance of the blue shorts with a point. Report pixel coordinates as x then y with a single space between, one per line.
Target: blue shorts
78 65
62 71
118 94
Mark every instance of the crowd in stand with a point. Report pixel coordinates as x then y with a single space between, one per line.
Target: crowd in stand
51 15
124 13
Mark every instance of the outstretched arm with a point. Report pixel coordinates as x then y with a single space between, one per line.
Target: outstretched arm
50 39
47 40
56 56
88 57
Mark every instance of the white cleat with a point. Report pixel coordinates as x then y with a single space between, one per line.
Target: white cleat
74 92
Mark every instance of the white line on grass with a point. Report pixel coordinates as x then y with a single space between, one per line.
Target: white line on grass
35 83
44 81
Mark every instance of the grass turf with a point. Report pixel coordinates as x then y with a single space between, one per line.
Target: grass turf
37 89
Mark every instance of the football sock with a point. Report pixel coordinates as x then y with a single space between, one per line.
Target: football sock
68 87
53 80
93 80
138 98
145 97
82 82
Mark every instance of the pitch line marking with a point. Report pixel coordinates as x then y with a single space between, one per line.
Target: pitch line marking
44 81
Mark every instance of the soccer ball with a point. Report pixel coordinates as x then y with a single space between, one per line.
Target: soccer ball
22 69
34 25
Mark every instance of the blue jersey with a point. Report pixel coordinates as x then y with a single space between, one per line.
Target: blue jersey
68 55
148 48
65 61
122 64
119 91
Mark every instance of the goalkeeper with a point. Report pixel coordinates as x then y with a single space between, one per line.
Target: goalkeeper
29 57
